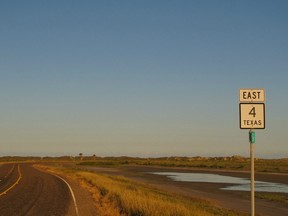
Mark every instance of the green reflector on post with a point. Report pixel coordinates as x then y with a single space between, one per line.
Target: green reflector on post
252 137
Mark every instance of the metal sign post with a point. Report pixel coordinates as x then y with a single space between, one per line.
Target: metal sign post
252 141
252 116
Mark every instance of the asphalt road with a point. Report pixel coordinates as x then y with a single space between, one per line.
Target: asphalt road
27 191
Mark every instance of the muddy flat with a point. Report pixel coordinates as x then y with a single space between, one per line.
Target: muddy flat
237 200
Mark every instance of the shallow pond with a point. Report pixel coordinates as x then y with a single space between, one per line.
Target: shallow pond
240 184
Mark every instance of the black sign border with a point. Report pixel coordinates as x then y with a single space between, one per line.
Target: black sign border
263 116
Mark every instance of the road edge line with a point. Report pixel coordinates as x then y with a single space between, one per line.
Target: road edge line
71 191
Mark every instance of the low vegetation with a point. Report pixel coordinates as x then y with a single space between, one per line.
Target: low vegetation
119 196
273 197
227 163
231 163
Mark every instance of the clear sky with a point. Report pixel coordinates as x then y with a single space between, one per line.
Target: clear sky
141 78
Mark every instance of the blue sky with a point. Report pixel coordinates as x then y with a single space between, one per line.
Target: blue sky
140 78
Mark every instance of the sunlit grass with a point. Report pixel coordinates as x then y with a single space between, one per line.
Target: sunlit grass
121 196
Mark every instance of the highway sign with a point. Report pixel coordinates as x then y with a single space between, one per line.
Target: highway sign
252 95
252 115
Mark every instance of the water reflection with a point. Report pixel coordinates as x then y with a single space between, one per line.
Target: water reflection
241 184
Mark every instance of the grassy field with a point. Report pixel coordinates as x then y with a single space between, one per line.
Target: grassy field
232 163
229 163
120 196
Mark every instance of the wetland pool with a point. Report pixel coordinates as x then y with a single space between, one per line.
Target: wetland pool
239 184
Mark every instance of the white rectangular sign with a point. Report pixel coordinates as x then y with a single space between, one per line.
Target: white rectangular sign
252 95
252 115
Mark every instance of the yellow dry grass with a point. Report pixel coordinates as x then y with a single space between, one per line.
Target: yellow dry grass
118 196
